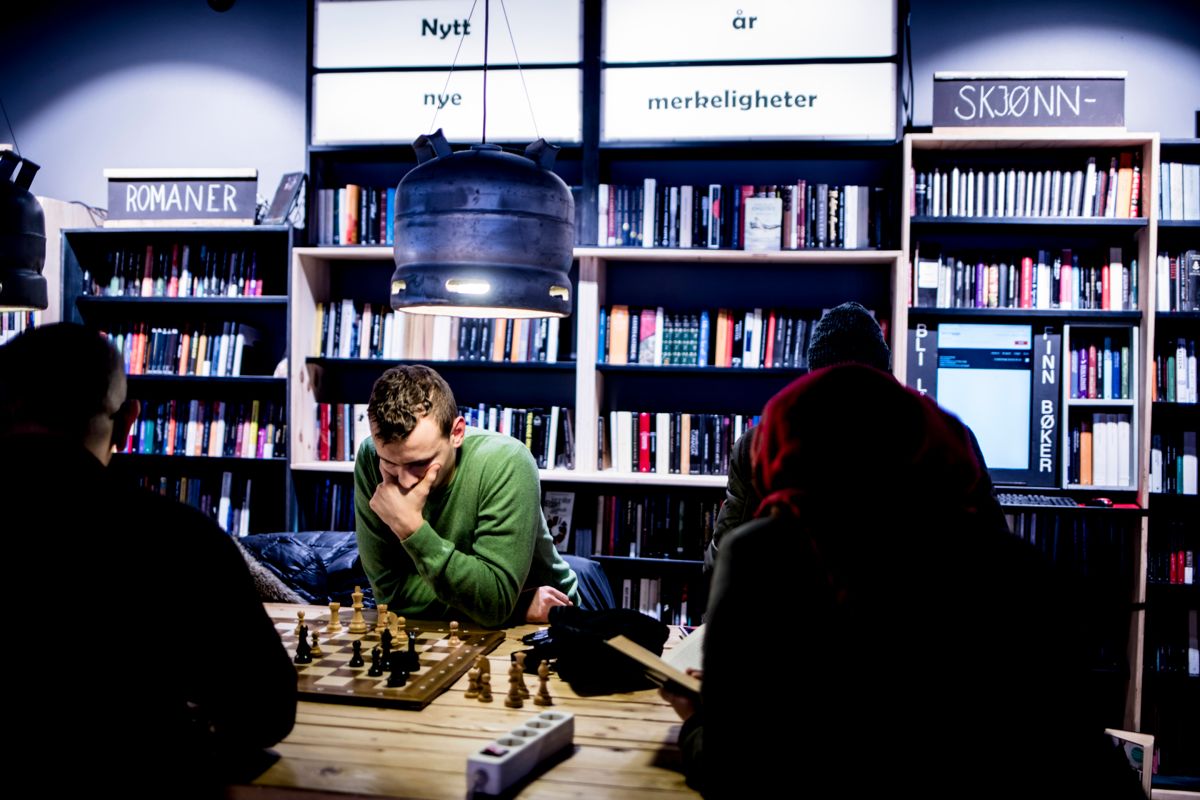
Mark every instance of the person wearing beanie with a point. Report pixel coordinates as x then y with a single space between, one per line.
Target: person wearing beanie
846 334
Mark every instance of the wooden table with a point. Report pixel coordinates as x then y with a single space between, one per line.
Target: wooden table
624 744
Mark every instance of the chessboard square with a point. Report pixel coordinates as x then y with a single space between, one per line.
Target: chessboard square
334 681
337 658
315 670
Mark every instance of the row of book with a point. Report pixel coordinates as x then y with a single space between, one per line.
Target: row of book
227 503
328 505
14 323
1178 190
548 432
190 350
176 271
669 443
1101 450
794 216
354 214
216 428
344 329
1180 655
1100 367
1092 191
341 428
1178 281
665 601
752 339
1095 547
1062 281
674 525
1173 565
1175 379
1173 463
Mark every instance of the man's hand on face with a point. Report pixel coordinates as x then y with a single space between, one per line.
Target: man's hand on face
401 509
545 598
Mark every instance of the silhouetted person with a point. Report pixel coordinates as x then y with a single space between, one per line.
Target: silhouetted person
128 577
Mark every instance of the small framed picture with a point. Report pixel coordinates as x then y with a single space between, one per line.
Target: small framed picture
290 186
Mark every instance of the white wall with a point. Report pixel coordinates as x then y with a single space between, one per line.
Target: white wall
164 84
1156 41
120 83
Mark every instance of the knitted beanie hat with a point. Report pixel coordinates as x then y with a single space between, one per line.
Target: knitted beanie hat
848 333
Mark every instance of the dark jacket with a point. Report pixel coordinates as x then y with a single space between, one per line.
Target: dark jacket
156 666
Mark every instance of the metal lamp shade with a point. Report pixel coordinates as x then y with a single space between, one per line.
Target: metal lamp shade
22 237
483 233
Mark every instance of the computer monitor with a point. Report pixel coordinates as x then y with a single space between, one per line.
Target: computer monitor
1002 381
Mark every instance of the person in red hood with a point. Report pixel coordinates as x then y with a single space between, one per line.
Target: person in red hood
927 650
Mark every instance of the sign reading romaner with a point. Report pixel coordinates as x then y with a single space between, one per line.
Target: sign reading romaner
167 197
1028 100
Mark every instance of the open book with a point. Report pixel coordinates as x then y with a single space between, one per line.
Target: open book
657 670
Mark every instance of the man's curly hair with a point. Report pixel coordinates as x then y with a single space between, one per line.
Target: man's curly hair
403 395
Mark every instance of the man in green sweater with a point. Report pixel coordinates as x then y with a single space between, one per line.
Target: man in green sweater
449 518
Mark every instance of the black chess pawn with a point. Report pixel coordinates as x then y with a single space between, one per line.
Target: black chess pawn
303 648
376 663
399 676
356 659
385 639
413 660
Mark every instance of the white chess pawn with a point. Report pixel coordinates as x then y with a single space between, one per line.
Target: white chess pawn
381 620
299 623
454 641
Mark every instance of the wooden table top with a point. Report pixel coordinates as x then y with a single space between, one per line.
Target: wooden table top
624 743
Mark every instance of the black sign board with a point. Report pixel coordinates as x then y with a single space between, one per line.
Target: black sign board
963 100
200 197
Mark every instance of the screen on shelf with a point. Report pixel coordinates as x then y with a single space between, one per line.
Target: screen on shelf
984 376
1001 379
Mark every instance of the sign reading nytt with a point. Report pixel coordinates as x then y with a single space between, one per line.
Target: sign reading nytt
1028 100
168 197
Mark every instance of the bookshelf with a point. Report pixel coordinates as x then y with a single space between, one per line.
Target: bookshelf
1171 695
1140 312
212 431
646 277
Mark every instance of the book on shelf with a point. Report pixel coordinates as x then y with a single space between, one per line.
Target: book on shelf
557 508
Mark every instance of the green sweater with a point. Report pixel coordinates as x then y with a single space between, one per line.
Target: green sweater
484 539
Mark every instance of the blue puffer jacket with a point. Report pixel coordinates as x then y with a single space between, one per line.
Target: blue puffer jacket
320 566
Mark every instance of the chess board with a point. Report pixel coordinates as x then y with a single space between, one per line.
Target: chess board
329 679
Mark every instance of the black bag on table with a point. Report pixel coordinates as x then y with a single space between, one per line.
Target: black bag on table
576 641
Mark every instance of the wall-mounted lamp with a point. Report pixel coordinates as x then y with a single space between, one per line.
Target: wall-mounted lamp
22 236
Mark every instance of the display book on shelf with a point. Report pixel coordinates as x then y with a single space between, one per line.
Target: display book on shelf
1092 273
199 316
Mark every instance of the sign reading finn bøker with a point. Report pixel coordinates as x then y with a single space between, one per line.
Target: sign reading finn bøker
1028 100
170 197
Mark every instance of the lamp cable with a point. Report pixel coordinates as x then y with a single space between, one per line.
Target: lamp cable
16 147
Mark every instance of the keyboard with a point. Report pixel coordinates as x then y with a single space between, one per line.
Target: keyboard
1036 500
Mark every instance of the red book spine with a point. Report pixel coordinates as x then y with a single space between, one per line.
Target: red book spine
1027 282
644 442
769 355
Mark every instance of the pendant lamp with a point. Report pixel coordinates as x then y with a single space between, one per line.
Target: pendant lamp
22 237
482 232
